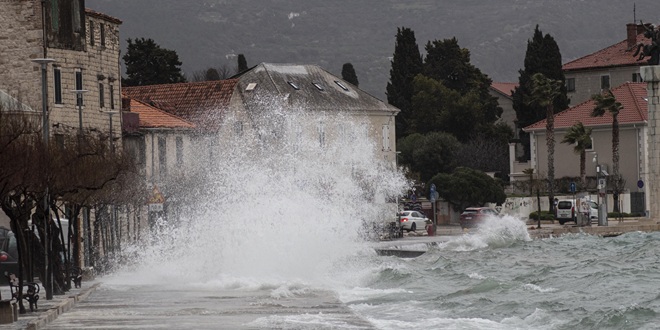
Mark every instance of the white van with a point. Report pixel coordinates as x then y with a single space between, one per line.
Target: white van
566 211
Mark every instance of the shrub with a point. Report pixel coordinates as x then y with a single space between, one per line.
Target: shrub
545 215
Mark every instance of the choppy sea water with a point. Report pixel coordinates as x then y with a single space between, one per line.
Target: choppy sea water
492 280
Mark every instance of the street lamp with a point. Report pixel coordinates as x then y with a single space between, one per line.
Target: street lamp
595 161
79 103
44 130
44 94
110 113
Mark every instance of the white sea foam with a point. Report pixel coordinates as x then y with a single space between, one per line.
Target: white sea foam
534 287
283 211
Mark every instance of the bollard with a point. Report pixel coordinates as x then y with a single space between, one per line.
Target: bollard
429 230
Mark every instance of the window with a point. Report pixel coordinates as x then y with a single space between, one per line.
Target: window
112 97
604 82
386 137
342 86
79 87
57 76
55 16
318 86
570 85
590 145
77 26
101 95
102 27
162 157
91 33
179 150
294 85
321 135
59 141
238 128
637 77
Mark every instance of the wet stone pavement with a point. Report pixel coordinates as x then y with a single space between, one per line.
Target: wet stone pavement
47 310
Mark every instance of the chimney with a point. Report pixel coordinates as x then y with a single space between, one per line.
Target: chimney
633 30
125 104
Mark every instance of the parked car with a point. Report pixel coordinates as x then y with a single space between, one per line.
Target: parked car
413 220
8 254
474 216
565 210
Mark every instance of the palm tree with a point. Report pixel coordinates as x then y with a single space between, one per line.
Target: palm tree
580 136
544 92
606 102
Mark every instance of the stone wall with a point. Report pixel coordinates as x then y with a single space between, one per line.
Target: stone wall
99 65
21 39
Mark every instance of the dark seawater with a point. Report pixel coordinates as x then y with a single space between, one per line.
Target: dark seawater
493 279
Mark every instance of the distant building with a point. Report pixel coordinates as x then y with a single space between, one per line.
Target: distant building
607 68
503 91
228 108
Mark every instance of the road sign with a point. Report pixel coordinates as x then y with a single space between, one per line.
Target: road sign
432 187
434 196
572 186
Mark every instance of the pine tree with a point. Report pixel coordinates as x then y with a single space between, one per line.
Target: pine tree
149 64
406 64
348 74
450 64
542 56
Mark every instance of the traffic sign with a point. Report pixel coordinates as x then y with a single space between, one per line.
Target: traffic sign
572 186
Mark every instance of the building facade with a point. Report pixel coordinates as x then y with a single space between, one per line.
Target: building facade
83 79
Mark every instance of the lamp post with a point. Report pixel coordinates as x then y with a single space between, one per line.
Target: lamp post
44 131
595 161
110 113
79 104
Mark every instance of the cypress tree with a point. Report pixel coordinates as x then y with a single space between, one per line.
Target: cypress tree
242 63
542 56
406 64
348 74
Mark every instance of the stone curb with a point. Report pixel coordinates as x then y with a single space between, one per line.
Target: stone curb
55 311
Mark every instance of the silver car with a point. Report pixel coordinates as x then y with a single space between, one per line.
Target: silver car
413 220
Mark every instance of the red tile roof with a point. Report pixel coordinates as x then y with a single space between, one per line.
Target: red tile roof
616 55
504 88
631 95
202 103
152 117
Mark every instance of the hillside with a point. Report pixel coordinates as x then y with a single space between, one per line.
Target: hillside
330 33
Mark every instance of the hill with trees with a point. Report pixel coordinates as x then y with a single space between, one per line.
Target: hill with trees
212 33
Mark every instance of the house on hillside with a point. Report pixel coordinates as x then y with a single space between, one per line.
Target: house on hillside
632 142
606 68
503 91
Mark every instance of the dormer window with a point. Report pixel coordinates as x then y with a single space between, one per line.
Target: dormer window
294 85
318 86
341 85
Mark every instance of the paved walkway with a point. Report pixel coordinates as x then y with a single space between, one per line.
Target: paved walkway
48 310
